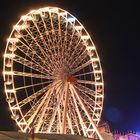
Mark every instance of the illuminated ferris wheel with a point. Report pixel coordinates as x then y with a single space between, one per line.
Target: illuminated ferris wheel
52 74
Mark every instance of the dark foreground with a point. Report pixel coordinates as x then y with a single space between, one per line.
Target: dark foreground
10 135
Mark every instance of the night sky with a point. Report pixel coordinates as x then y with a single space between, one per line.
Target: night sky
114 28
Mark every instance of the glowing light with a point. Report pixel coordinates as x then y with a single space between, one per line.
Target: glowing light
8 64
78 28
85 37
99 95
20 27
90 47
13 40
9 55
15 108
32 11
138 133
71 19
10 90
8 72
55 10
44 9
8 82
63 13
99 83
10 100
94 59
22 123
98 77
26 18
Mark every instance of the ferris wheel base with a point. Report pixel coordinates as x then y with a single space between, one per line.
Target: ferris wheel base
13 135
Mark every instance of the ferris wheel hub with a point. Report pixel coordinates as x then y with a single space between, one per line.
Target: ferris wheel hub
61 74
71 79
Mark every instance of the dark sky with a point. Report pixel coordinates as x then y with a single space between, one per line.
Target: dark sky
114 28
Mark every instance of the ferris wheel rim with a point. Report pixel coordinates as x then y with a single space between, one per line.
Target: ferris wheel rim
73 72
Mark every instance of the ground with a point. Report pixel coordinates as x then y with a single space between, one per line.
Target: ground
11 135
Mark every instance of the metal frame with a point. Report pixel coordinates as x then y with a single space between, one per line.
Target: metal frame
62 86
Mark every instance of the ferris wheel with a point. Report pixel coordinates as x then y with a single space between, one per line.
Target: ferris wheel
52 74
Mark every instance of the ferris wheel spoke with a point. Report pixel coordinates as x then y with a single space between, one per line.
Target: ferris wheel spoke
82 74
88 101
86 112
36 43
86 82
84 93
64 29
32 97
70 124
60 39
90 94
31 52
87 73
44 24
74 117
29 113
59 119
81 67
50 39
79 58
56 108
63 34
77 54
32 75
28 43
35 102
75 51
90 82
78 112
27 50
65 105
67 48
42 38
85 58
78 127
72 36
31 119
86 90
55 43
32 85
29 64
57 88
54 36
43 111
46 33
54 113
